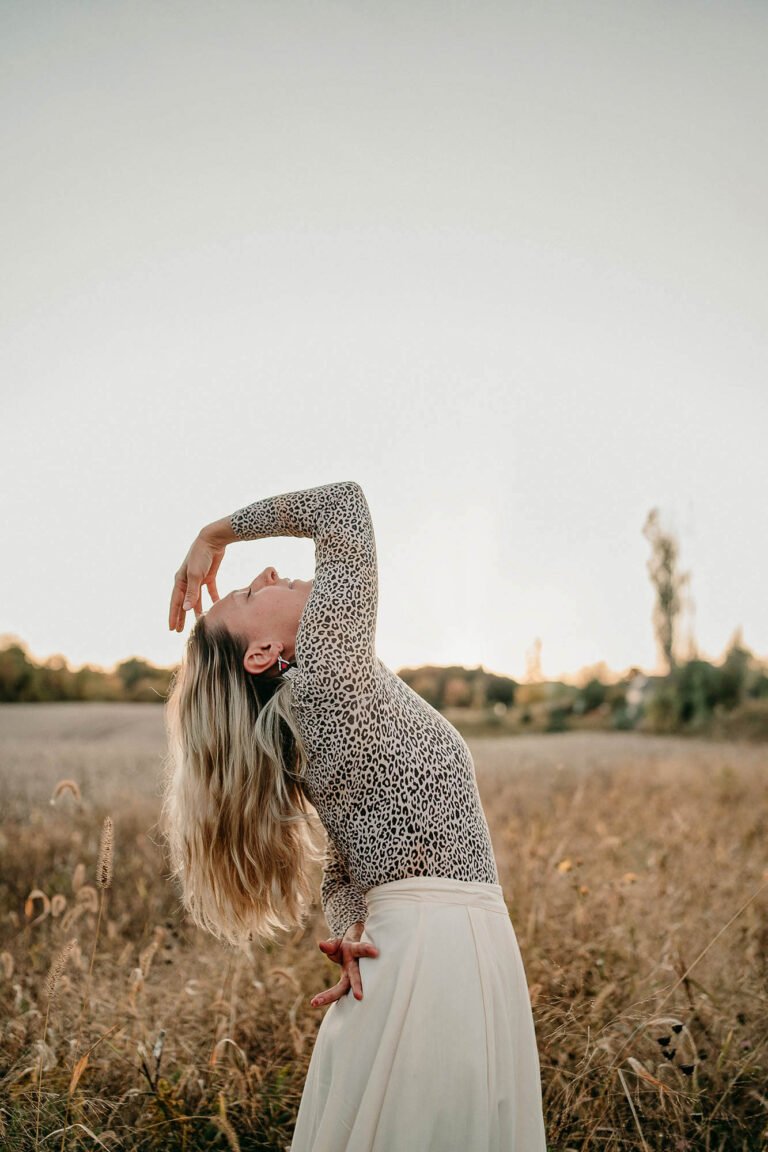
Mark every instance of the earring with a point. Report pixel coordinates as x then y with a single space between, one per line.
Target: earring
282 664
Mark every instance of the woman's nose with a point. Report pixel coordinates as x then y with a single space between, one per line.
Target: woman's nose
268 576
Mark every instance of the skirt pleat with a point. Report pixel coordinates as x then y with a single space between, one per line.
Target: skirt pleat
440 1054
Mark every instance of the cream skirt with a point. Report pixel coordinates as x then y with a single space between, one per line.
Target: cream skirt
440 1054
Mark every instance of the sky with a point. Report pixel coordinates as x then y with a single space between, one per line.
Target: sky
504 264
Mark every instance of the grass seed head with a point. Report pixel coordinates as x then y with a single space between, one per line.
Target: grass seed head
104 867
224 1125
78 876
58 966
58 904
87 898
66 786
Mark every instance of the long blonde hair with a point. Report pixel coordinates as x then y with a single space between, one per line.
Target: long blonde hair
234 813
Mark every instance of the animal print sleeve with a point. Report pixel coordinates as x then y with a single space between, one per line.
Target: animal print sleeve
338 625
343 901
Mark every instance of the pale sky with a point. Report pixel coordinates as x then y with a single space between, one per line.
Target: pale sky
504 264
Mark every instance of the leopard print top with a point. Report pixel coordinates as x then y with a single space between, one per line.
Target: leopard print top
391 780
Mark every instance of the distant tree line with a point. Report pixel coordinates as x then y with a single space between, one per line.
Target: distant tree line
694 691
458 687
23 680
694 696
691 697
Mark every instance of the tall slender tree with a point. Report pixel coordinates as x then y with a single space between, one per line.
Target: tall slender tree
668 582
533 672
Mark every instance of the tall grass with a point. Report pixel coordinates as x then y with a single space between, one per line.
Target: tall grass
636 874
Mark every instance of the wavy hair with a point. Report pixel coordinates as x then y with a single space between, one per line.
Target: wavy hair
234 812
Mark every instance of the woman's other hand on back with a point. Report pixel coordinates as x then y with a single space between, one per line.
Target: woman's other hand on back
345 950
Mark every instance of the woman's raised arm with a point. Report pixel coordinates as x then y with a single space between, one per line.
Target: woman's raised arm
339 621
338 626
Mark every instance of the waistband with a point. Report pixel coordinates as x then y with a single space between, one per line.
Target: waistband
440 890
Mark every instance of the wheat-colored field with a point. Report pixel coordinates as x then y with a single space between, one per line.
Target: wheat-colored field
636 873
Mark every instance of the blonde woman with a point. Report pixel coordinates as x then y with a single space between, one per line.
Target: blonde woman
280 706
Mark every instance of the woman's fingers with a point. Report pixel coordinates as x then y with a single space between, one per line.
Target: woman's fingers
332 949
351 951
186 591
348 953
199 570
213 591
176 615
192 594
356 983
331 945
332 994
338 949
363 948
188 596
177 596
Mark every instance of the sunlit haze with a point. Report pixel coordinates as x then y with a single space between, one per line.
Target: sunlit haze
504 264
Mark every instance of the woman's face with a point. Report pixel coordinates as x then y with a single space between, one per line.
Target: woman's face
266 610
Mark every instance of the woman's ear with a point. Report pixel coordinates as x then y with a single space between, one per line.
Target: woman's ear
259 657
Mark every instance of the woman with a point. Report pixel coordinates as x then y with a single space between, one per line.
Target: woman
281 703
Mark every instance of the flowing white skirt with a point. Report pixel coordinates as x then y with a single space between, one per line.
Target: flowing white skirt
440 1054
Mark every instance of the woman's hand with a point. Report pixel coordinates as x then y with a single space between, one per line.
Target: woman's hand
345 951
198 569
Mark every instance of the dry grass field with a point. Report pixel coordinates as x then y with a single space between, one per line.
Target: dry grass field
636 873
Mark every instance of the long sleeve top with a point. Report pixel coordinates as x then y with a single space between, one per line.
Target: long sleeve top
391 780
